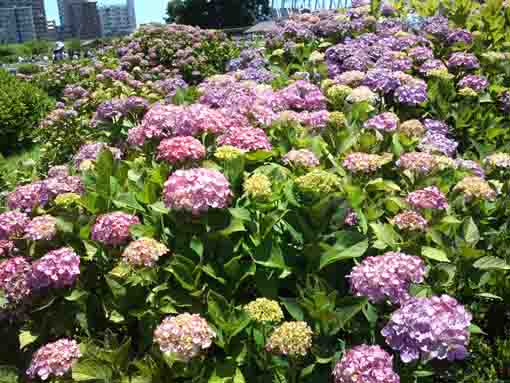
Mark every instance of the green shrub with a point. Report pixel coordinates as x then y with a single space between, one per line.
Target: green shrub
29 69
21 108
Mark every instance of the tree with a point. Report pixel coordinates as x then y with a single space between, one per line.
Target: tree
216 13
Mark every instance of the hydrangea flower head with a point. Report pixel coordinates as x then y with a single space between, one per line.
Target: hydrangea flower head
15 279
463 61
181 149
228 152
13 224
247 139
258 187
57 269
291 339
184 336
362 94
28 197
365 364
476 188
429 198
429 328
384 122
365 163
42 228
412 128
301 158
197 190
54 359
264 310
410 220
498 160
144 252
387 277
318 183
113 229
476 83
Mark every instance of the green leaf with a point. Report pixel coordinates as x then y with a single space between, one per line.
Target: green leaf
76 295
423 373
349 307
8 374
471 233
435 254
235 226
87 369
489 262
307 371
334 256
183 270
293 308
218 308
197 246
239 377
142 231
489 296
26 338
386 236
474 329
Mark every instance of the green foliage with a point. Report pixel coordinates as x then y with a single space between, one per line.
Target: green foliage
22 106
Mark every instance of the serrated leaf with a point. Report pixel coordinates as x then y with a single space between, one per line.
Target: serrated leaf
435 254
333 256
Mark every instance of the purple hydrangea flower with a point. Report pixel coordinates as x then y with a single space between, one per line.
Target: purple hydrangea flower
429 328
429 198
54 359
15 279
381 80
58 171
61 185
113 229
180 149
6 248
13 224
351 219
387 277
57 269
384 122
421 54
365 364
170 86
471 166
430 65
477 83
302 95
197 190
436 25
435 126
463 61
438 143
414 94
459 36
28 197
90 152
504 101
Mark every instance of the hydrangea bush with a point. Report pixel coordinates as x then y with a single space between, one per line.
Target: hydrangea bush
330 204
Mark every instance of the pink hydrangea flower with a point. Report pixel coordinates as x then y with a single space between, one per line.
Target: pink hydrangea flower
57 269
42 228
54 359
13 224
428 198
15 279
113 229
197 190
247 139
180 149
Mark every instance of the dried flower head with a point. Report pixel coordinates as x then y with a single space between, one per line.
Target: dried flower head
412 128
498 160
